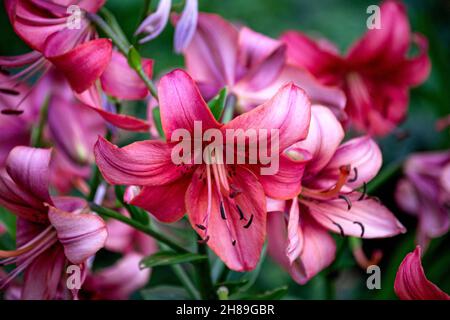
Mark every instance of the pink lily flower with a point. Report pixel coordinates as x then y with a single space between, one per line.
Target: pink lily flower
120 280
375 74
84 60
225 202
53 232
411 282
425 193
251 65
329 201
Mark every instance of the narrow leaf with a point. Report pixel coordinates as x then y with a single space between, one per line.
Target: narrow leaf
165 258
156 113
217 104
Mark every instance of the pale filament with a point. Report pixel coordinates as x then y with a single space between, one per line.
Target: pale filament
333 192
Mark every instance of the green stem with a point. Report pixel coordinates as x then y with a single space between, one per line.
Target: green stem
36 135
228 112
137 225
93 185
186 281
204 275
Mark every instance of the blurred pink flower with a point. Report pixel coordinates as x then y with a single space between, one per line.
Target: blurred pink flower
52 232
225 202
298 228
411 282
251 65
376 73
123 278
425 193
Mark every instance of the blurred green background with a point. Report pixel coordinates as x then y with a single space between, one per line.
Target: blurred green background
342 22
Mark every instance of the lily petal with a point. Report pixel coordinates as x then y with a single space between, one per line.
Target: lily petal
140 163
367 218
155 23
122 82
411 282
81 234
84 64
182 104
212 53
237 245
289 112
165 202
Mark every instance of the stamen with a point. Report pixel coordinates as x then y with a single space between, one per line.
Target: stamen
356 175
203 241
11 92
333 192
249 222
235 191
241 214
346 199
11 112
340 228
222 211
362 227
233 242
201 227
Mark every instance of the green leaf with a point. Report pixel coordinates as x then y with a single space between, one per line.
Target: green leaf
165 258
275 294
164 293
9 221
217 104
156 113
134 58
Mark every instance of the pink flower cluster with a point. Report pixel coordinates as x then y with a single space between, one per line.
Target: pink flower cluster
56 129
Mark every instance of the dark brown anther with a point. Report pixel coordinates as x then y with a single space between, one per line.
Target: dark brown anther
10 92
355 170
363 194
346 199
11 112
203 240
362 227
249 223
241 214
233 242
4 72
341 230
201 227
375 199
222 211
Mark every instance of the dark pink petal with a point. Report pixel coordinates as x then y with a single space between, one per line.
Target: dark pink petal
84 64
165 202
81 234
324 136
140 163
91 98
288 112
411 282
367 218
122 82
244 254
311 55
181 104
387 45
212 54
295 236
44 276
361 153
286 182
